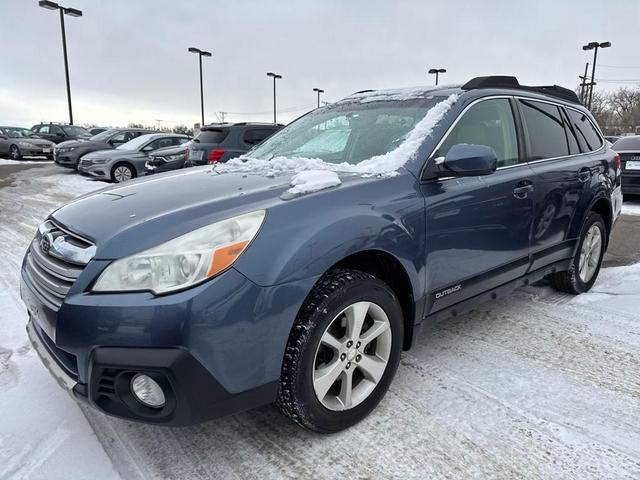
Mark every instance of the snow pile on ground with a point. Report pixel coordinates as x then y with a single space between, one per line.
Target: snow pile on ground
631 207
380 165
616 289
5 161
312 181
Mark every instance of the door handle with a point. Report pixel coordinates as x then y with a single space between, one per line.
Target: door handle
522 189
584 175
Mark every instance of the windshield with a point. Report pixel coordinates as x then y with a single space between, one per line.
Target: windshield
76 131
136 143
104 136
347 131
16 132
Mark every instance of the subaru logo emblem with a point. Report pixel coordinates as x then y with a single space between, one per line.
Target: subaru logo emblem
45 242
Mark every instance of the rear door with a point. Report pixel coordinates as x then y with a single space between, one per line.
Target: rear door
563 173
478 227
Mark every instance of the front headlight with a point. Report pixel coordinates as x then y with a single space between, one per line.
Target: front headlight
95 161
173 158
22 143
66 149
184 261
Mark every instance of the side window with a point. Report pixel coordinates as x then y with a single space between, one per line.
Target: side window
489 123
43 129
545 126
254 136
181 141
55 130
120 138
588 137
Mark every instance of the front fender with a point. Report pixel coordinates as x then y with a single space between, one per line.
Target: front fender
307 236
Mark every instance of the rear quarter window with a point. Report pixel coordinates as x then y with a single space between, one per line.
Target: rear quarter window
254 136
212 136
588 137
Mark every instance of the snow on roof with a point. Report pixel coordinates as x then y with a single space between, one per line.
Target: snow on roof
395 94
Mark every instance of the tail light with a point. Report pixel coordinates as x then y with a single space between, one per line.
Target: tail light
215 155
617 162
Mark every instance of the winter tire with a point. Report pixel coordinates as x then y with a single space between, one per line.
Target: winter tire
342 353
587 260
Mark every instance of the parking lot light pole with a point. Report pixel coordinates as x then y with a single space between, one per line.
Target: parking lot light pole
275 77
73 13
437 71
594 46
201 53
319 92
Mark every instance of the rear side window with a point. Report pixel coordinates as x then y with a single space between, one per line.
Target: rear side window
254 136
212 136
588 136
489 123
545 126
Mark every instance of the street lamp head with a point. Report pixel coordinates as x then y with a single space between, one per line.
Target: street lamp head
605 44
48 5
204 53
274 75
319 90
194 50
73 12
437 70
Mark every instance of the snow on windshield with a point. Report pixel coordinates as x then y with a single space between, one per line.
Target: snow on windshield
397 94
386 164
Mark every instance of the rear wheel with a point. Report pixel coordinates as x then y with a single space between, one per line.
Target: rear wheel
14 152
586 263
342 353
122 172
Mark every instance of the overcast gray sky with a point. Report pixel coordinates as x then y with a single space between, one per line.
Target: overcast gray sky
129 61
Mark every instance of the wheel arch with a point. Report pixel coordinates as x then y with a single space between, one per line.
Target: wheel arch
602 206
390 270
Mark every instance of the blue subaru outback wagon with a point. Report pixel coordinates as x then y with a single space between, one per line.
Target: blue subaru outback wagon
298 273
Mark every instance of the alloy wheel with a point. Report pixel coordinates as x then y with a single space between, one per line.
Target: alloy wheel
352 356
15 153
122 174
590 254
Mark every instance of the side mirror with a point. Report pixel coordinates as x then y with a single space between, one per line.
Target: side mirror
147 149
469 160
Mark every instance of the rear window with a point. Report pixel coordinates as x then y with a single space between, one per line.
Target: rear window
588 137
627 143
254 136
212 136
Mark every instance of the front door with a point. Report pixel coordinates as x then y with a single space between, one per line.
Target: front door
478 228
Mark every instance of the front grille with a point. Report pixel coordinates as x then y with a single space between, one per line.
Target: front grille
53 271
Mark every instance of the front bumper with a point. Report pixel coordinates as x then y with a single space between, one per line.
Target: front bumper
216 348
99 170
67 159
36 151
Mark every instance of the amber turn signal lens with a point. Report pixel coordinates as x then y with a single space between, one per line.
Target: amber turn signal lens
225 256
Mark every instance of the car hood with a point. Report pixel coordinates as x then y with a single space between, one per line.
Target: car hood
146 212
36 141
85 144
111 152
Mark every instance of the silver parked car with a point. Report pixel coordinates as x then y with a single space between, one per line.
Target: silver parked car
17 142
127 161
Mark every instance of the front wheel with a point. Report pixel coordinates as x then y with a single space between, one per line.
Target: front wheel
342 353
122 172
587 260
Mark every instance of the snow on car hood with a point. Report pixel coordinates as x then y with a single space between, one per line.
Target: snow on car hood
316 176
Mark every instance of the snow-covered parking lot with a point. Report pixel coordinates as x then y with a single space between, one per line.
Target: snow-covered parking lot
540 385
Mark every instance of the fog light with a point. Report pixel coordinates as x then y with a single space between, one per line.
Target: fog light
147 391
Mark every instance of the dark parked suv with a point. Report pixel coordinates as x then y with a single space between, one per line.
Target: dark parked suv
219 143
67 154
629 150
59 132
299 273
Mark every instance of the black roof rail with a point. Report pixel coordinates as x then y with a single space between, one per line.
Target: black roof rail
503 81
363 91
